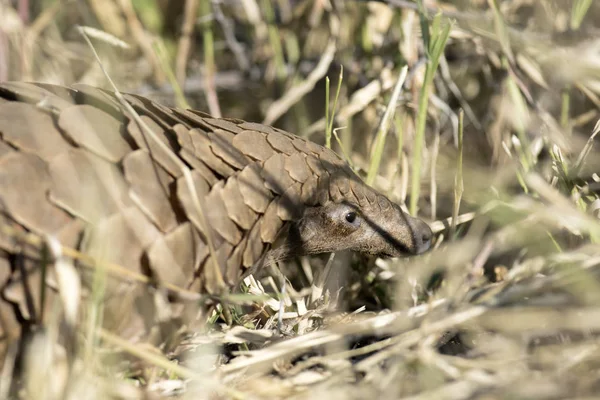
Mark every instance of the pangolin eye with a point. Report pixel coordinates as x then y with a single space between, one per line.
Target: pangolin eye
351 217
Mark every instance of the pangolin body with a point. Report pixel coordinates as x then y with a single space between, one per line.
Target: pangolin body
76 165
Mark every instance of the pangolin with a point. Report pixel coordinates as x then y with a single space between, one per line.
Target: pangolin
77 165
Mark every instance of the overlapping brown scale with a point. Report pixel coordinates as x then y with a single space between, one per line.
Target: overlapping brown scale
121 239
314 148
93 96
214 272
70 234
282 132
323 188
253 126
130 311
237 210
203 150
233 120
289 205
87 185
186 198
176 256
358 188
30 129
224 124
218 217
254 246
274 174
343 185
24 182
270 223
150 189
331 161
221 147
184 139
94 130
196 164
65 93
224 135
194 118
28 93
347 170
370 195
384 203
297 167
162 115
198 114
8 243
335 194
188 153
301 145
253 189
28 301
253 144
315 165
233 263
308 193
329 155
196 285
144 140
281 143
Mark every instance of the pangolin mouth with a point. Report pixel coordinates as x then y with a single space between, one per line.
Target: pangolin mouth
385 255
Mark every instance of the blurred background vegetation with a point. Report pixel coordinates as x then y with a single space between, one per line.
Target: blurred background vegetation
493 124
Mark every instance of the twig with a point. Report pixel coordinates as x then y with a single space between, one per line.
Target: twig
228 30
183 49
209 60
384 126
294 94
141 37
358 102
443 224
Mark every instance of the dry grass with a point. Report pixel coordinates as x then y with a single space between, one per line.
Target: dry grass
507 305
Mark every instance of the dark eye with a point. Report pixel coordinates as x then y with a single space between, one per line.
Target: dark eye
351 217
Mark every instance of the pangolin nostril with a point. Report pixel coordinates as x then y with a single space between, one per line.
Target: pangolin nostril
426 235
425 243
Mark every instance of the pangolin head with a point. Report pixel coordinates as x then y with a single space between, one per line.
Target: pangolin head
361 220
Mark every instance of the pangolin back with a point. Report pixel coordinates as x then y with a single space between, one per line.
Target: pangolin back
76 165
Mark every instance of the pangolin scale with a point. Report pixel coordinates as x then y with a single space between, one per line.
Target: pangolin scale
76 165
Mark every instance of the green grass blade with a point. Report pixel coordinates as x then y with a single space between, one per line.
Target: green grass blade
329 120
458 180
384 126
578 12
439 37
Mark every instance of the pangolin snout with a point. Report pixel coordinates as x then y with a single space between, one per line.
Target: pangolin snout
422 235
